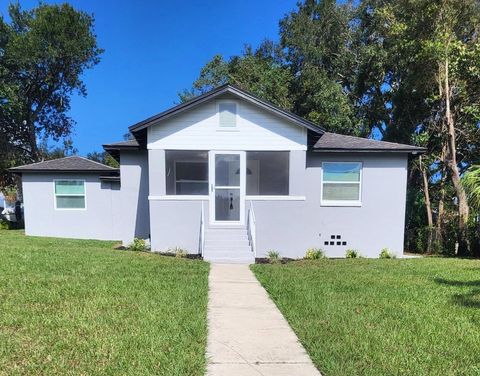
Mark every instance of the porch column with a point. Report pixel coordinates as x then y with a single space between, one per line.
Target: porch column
297 172
156 172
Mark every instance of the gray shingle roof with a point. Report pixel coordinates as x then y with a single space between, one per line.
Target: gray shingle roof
67 164
333 142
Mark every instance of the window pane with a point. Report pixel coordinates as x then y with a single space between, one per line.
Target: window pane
268 172
69 187
192 188
341 192
228 114
227 204
191 171
227 170
186 172
341 171
71 202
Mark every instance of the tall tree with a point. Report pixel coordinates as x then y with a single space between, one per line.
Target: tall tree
433 70
261 71
43 54
322 57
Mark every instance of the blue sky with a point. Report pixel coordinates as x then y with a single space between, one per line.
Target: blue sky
153 50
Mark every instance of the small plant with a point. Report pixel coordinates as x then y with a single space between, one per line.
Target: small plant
138 245
178 252
314 254
352 253
274 257
386 254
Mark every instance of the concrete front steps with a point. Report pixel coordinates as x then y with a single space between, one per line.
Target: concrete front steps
228 246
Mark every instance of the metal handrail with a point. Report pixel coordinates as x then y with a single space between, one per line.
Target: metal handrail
201 240
252 229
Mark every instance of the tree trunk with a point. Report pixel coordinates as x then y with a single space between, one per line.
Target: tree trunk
428 205
463 209
441 200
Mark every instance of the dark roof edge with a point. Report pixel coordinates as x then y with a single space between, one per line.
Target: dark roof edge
120 147
221 90
376 150
23 170
127 144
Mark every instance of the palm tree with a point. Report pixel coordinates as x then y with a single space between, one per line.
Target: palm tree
471 182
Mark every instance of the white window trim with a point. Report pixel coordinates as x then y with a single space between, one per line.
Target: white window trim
55 195
351 203
191 181
237 117
275 198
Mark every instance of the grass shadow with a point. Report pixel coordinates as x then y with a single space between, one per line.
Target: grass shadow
469 299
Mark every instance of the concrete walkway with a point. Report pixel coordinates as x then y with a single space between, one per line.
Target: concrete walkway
247 334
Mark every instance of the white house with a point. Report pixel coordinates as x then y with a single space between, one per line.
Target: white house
231 177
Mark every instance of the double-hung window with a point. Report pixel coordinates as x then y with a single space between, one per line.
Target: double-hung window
341 183
70 194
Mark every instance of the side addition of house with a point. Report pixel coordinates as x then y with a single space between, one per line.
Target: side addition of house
231 177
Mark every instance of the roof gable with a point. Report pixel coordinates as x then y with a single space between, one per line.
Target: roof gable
218 92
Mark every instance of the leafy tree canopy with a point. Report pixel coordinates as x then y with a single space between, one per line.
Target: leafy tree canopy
43 54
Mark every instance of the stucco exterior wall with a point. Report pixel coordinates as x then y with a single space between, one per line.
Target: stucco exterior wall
175 224
95 222
134 218
114 210
290 227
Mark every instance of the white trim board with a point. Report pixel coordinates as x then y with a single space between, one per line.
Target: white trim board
179 198
275 198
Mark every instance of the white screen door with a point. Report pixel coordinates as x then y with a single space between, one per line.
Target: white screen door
227 187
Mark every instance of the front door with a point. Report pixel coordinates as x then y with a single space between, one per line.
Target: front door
227 187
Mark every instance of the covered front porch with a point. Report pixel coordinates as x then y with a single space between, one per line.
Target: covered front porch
207 196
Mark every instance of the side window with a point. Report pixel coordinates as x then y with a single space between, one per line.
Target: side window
70 194
227 114
341 183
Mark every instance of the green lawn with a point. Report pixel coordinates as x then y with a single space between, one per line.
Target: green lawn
76 307
382 317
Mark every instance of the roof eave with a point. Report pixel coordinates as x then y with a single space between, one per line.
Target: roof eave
23 170
378 150
120 147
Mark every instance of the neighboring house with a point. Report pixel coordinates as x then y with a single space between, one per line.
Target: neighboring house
232 177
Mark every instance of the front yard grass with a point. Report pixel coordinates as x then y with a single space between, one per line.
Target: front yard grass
382 317
78 307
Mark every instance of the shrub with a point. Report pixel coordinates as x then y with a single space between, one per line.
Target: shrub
138 245
352 253
314 254
386 254
10 194
180 252
4 225
274 257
